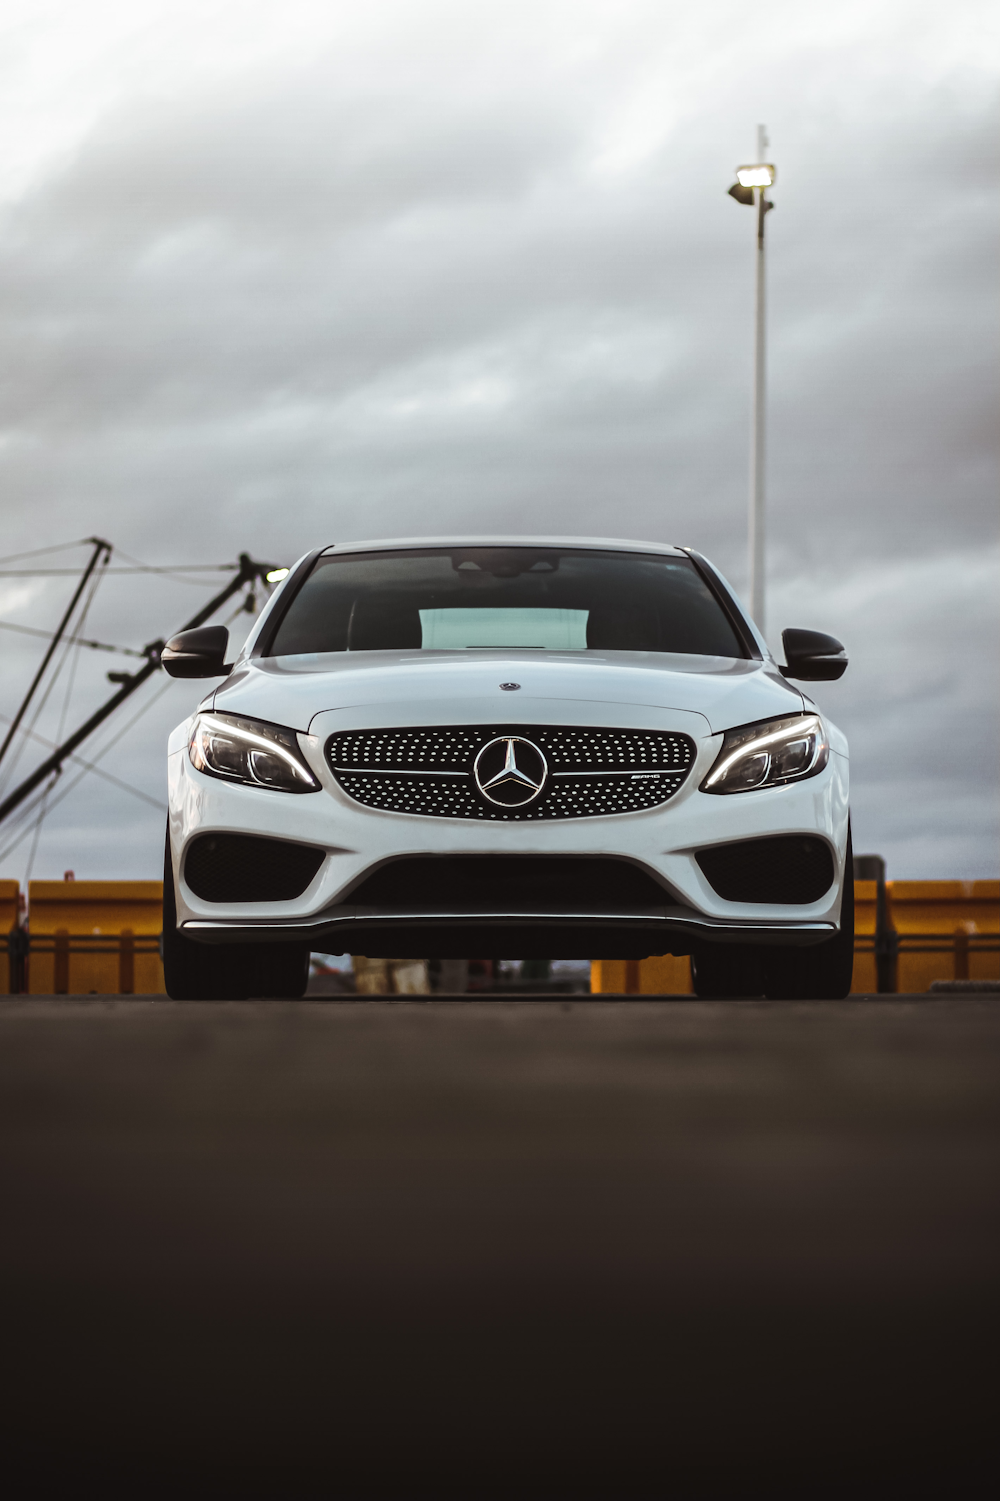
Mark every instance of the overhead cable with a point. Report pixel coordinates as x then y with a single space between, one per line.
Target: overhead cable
36 552
39 573
92 765
87 767
101 553
31 630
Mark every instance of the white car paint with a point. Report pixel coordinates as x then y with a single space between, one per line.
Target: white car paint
316 695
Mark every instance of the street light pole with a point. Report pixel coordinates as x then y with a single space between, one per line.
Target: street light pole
751 189
758 431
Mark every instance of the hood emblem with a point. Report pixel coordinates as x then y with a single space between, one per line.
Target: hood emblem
510 771
509 687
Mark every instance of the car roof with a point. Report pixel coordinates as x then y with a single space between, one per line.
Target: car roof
603 544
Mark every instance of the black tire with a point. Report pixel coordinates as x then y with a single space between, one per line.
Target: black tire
822 972
226 972
722 971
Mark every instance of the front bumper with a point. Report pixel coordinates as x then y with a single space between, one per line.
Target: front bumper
357 839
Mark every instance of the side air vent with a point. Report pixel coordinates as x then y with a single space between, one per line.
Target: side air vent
509 883
243 868
788 868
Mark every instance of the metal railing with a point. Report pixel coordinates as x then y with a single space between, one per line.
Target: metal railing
889 947
127 945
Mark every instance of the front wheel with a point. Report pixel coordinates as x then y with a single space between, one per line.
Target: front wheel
226 972
721 971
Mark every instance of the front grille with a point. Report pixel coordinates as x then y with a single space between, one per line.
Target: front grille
590 771
243 868
508 883
792 868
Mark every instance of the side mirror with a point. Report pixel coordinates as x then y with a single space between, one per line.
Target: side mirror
200 653
813 657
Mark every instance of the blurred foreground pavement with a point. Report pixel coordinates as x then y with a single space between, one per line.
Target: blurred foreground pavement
499 1248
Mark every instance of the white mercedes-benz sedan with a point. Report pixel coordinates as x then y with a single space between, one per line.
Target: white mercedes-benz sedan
523 747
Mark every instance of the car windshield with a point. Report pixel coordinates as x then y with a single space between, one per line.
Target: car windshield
541 598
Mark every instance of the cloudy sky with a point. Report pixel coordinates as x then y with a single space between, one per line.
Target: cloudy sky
274 275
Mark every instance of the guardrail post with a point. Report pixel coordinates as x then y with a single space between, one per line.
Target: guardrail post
17 960
60 963
126 962
961 953
886 941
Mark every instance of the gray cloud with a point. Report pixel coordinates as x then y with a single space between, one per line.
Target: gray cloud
486 277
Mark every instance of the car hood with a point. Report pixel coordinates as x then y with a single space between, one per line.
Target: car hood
293 690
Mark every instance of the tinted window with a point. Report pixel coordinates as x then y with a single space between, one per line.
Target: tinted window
428 598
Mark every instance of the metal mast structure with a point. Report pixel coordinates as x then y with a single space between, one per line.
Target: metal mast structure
248 572
101 553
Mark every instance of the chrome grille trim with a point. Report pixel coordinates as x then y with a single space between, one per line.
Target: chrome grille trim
389 771
427 771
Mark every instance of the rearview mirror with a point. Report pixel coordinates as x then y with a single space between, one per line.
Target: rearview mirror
200 653
813 657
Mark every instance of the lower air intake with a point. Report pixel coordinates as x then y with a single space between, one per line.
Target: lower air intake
509 884
243 868
789 868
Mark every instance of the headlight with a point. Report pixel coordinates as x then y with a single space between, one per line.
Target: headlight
768 755
249 750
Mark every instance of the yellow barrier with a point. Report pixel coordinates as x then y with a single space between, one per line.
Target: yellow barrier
948 930
940 930
864 980
9 893
95 937
101 937
665 975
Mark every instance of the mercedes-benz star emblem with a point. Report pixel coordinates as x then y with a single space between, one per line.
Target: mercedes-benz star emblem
510 771
509 687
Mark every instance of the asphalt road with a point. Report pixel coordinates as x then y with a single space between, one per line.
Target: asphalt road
555 1247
